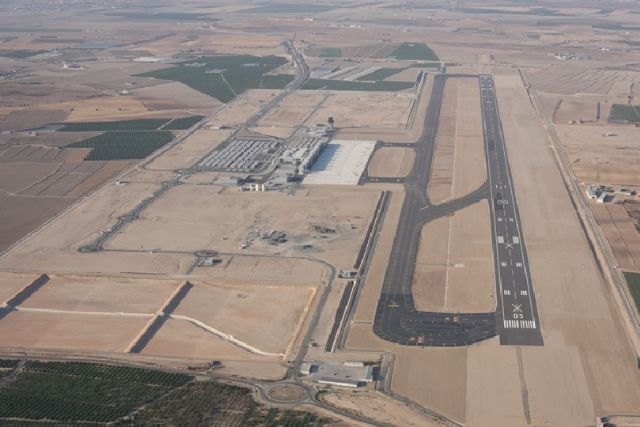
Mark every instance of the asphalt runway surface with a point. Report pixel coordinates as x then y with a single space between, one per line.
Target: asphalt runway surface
516 317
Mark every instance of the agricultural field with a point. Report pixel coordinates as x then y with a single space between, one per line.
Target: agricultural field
20 54
380 74
125 125
182 123
324 84
289 8
124 145
225 77
633 281
414 51
325 52
624 113
81 393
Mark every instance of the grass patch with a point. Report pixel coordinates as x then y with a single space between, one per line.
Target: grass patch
380 74
414 51
20 54
139 124
290 8
330 52
182 123
66 393
633 282
536 11
123 145
275 81
224 77
163 16
324 84
627 113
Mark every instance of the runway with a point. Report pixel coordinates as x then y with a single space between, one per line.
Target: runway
516 317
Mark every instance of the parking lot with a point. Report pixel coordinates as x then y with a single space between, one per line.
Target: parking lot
244 155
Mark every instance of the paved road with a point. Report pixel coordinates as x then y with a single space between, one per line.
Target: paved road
516 309
397 318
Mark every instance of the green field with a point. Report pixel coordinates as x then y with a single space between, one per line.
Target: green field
182 123
414 51
330 52
622 112
139 124
20 54
633 281
290 8
76 393
225 77
123 145
324 84
277 81
380 74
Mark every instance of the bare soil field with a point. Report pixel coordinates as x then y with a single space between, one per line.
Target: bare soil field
597 158
582 108
354 109
188 152
10 284
243 107
179 338
294 110
48 139
19 176
29 119
39 330
77 227
391 162
21 215
175 96
454 268
377 406
210 218
101 294
621 233
265 317
458 164
241 269
569 81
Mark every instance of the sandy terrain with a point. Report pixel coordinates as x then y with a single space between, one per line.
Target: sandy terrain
188 152
391 162
621 234
196 212
597 158
454 269
264 317
243 107
69 331
458 165
82 293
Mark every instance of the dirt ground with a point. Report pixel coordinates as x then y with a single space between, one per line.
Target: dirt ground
29 119
188 152
621 233
11 284
175 96
458 165
196 211
376 405
294 110
354 110
101 294
597 158
391 162
242 108
454 269
38 330
262 316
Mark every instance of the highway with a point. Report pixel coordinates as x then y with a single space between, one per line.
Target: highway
516 317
